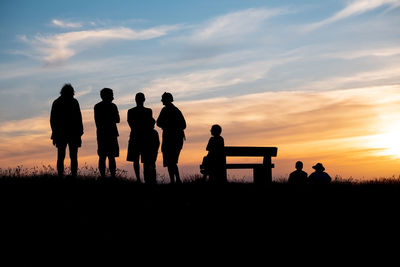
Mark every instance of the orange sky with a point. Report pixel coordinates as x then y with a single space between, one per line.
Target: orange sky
353 132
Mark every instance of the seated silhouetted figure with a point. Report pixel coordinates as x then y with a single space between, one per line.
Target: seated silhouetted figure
67 128
214 164
319 176
106 116
298 176
149 155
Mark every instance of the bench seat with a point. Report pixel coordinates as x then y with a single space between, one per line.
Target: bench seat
245 165
262 172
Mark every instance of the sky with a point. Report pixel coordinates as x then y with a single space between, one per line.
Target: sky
320 80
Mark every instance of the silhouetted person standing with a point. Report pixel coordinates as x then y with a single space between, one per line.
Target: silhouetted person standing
106 116
67 128
216 159
173 124
298 176
141 122
319 176
149 157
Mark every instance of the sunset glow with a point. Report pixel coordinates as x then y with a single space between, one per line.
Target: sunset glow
388 142
318 80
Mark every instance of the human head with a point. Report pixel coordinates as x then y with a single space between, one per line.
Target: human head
67 90
167 98
107 94
139 98
299 165
319 167
216 130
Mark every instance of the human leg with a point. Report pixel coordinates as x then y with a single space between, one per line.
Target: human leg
102 166
136 168
171 173
170 157
178 178
60 159
112 165
73 155
153 173
146 173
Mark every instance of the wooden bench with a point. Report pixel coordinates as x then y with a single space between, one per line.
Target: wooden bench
262 172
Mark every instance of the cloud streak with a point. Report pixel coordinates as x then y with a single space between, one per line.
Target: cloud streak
203 81
234 25
354 8
58 48
65 24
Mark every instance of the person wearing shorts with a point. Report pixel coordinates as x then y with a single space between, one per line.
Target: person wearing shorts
140 120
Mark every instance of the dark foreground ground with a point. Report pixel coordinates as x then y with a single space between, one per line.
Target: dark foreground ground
46 216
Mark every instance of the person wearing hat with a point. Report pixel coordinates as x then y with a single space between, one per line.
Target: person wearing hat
173 124
319 176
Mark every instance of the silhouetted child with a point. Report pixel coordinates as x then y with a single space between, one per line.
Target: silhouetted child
106 116
149 156
214 164
319 176
298 176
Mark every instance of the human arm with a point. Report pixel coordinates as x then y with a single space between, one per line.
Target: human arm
130 119
182 121
116 114
161 120
96 116
80 123
53 118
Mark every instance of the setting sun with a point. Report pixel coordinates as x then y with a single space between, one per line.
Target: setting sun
387 143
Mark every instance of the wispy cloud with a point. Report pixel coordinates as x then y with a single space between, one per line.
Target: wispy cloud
66 24
60 47
383 76
235 24
84 92
189 84
354 8
389 51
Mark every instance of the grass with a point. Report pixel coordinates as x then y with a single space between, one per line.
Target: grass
37 206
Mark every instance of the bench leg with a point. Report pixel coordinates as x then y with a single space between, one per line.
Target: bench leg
262 175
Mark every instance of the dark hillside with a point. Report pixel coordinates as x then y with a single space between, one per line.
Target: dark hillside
119 214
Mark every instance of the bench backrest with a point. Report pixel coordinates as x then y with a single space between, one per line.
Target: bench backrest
250 151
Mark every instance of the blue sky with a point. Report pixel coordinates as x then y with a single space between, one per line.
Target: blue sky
198 50
275 31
